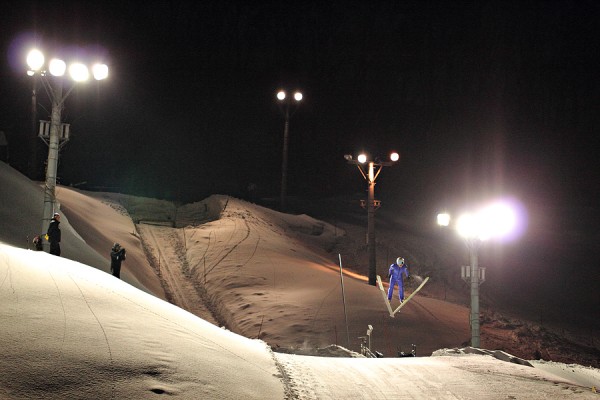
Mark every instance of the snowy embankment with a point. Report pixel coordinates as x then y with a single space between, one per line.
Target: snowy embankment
71 331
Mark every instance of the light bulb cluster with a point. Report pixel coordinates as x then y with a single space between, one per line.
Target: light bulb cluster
78 71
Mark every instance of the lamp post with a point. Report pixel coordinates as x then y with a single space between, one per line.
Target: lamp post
286 103
370 175
494 221
54 88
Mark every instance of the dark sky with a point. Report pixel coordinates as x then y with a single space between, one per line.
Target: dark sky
493 95
481 98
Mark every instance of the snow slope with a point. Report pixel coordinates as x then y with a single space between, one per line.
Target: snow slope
71 331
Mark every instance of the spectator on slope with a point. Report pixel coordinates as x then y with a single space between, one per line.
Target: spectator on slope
117 256
53 235
37 243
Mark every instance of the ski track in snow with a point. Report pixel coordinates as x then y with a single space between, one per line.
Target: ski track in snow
170 251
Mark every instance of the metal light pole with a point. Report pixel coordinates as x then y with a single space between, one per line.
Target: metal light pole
475 280
52 165
371 205
282 97
496 220
32 143
472 274
57 131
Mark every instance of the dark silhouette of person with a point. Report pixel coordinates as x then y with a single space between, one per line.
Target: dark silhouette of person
54 235
117 256
37 243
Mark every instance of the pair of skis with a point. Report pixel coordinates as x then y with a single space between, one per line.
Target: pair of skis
387 302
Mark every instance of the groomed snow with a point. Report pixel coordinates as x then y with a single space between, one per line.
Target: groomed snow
72 331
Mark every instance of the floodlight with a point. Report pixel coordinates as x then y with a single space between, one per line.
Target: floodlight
79 72
467 226
496 220
443 219
394 156
57 67
35 59
502 219
281 95
499 219
362 158
298 96
100 71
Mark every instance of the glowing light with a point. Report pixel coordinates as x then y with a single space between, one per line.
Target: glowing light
100 71
466 226
362 158
443 219
394 156
281 95
35 59
298 96
499 220
57 67
79 72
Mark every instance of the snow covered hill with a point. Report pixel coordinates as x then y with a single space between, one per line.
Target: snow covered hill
71 331
264 275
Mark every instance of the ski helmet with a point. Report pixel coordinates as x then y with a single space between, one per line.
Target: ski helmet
399 260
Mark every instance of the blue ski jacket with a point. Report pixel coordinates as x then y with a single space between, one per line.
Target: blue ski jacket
397 271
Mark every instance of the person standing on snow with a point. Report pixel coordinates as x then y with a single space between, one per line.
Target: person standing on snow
117 255
397 269
37 243
53 235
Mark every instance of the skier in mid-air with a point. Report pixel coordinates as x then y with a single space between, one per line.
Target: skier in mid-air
397 269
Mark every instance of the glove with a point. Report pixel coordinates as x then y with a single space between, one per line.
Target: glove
46 236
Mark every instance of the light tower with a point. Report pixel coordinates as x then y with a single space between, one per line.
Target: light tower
497 220
286 104
53 132
370 175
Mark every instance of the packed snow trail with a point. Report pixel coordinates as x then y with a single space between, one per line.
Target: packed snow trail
168 253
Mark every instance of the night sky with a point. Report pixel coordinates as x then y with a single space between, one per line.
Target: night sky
480 98
503 95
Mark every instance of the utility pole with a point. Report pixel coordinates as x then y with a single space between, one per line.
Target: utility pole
370 175
286 103
52 165
475 275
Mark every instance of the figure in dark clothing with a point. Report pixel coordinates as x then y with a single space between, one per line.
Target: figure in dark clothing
37 243
54 235
117 255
